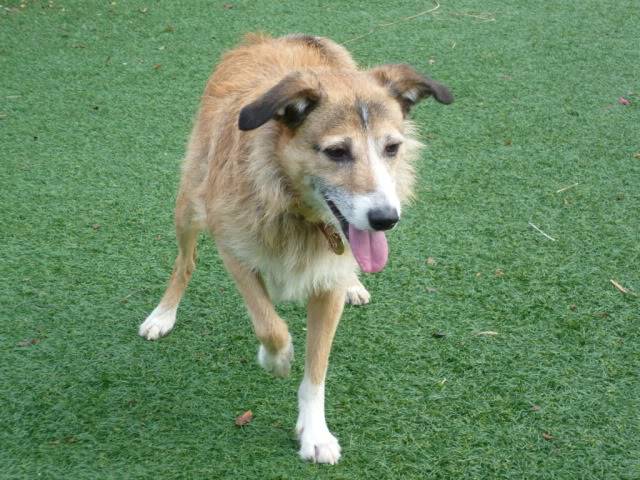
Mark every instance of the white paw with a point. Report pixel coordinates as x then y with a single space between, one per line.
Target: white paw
357 294
158 323
279 364
319 446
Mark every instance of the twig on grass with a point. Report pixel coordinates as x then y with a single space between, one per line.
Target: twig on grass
620 288
385 25
567 188
549 237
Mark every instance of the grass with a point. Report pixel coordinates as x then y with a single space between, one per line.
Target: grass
96 102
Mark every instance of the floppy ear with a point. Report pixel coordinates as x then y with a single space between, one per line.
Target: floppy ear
290 101
408 86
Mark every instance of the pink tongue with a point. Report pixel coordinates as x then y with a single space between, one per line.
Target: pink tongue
369 248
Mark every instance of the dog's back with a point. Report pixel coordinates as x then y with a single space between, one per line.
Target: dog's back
260 61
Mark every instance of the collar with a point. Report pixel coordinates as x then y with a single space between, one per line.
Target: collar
333 237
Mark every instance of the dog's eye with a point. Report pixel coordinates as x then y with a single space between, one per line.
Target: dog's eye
338 154
391 150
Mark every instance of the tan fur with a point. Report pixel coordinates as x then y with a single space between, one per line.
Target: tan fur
269 327
234 183
323 314
250 189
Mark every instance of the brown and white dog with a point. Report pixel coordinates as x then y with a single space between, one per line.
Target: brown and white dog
297 164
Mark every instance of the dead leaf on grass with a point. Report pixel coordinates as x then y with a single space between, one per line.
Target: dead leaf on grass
431 261
29 341
499 272
244 419
535 408
547 436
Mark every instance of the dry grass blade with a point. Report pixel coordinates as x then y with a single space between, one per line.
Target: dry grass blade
484 17
536 228
385 25
567 188
620 288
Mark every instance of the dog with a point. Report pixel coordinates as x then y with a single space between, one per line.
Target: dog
297 164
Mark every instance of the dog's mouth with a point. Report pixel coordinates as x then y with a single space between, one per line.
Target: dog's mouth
369 247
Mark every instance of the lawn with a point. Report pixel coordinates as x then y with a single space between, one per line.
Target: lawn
489 350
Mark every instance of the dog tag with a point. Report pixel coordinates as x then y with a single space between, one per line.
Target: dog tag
333 237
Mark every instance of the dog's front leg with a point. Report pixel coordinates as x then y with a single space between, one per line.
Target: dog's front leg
276 350
316 441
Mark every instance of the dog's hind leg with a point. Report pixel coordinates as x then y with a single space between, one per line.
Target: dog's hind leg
316 441
163 318
276 350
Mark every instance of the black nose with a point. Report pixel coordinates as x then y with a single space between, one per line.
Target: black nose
383 218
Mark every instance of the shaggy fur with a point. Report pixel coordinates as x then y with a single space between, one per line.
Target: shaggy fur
289 129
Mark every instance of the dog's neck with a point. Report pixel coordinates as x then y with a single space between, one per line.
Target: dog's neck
299 207
333 237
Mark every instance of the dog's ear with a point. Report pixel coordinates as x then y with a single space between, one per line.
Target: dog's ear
290 101
408 86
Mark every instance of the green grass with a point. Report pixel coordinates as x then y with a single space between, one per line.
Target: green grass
96 102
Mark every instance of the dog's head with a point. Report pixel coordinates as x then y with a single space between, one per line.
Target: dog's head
344 142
